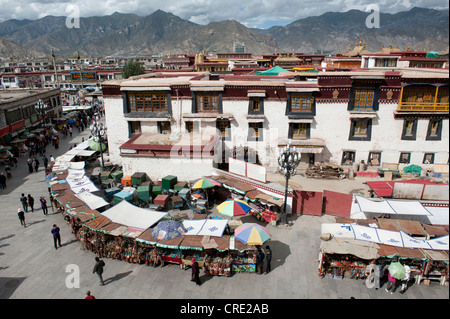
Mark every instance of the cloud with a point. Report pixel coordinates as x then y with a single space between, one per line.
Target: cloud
253 13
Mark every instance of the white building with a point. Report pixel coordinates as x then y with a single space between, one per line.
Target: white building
186 125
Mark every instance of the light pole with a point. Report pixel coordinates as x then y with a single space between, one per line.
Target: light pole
40 107
287 165
98 131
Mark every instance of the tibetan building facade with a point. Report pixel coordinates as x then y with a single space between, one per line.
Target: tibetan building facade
185 124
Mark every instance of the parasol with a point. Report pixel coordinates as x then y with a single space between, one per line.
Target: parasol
205 182
252 234
397 270
234 207
95 146
168 229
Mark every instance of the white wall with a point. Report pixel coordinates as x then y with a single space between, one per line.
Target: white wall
331 124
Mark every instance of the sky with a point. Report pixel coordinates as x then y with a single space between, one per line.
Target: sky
252 13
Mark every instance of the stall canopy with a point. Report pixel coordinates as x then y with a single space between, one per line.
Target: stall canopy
93 201
393 207
129 215
205 227
387 237
363 250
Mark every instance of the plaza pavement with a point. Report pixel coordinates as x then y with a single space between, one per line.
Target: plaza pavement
30 267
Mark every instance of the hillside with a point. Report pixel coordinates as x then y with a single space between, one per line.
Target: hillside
162 32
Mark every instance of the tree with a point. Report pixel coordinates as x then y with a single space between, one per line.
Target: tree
132 68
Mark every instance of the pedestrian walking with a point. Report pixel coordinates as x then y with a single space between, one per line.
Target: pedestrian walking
30 165
44 205
21 215
56 235
3 180
31 202
70 131
36 164
8 171
98 269
24 202
405 280
391 284
268 259
195 272
45 161
88 295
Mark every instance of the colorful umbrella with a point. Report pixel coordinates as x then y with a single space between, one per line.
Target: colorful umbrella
205 182
252 234
234 207
397 270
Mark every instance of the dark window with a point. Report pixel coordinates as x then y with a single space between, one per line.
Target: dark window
224 128
405 158
434 130
302 104
428 158
300 131
255 131
256 105
409 129
207 102
360 130
164 127
363 99
134 127
374 159
148 102
348 157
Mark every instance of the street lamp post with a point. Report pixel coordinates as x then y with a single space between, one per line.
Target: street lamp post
98 131
287 165
40 107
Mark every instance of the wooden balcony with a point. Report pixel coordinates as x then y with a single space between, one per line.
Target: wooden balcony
422 107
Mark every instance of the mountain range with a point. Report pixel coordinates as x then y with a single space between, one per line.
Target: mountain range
163 33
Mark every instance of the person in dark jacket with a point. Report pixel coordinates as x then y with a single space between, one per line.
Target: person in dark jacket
31 202
3 180
36 164
260 262
56 235
268 259
195 272
21 215
44 205
98 269
24 202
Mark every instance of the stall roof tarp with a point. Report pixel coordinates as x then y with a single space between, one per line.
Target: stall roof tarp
98 222
383 236
363 250
394 207
93 201
76 165
133 216
440 243
411 227
273 71
205 227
